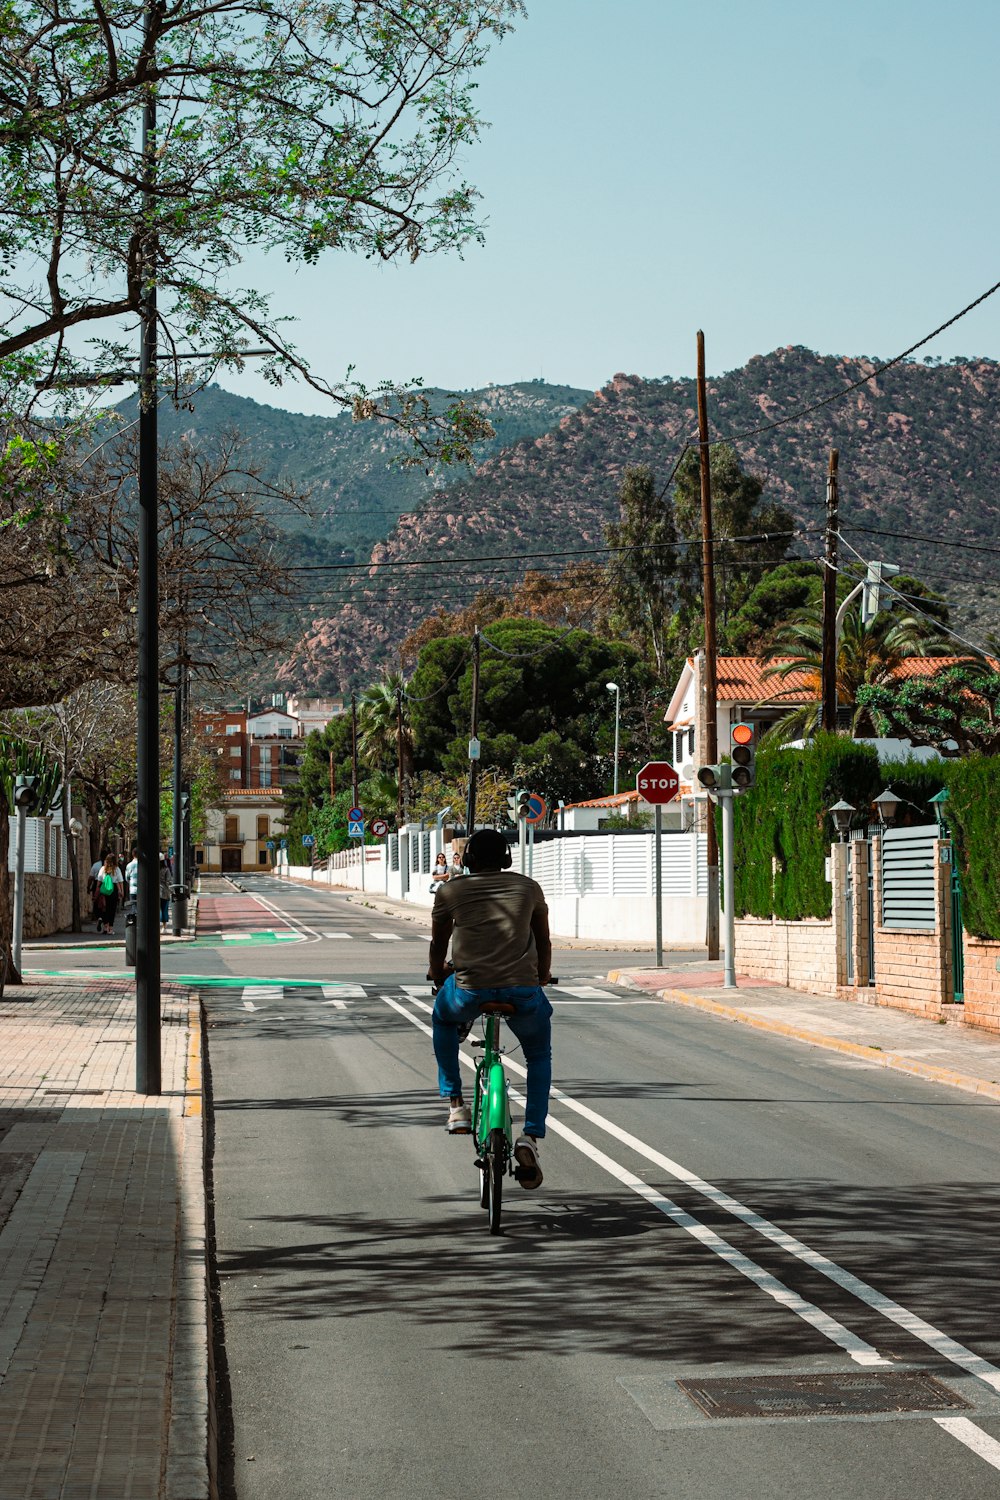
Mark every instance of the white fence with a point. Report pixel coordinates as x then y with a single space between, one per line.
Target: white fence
45 851
599 887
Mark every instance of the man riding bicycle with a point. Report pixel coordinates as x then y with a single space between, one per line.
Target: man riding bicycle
498 926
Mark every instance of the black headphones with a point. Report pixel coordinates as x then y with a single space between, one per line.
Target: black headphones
484 844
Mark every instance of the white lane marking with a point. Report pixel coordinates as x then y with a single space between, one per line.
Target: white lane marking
290 921
343 991
973 1437
249 1005
948 1348
386 937
413 990
858 1348
584 992
262 992
338 934
340 1004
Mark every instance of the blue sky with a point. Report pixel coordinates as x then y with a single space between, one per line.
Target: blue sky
772 171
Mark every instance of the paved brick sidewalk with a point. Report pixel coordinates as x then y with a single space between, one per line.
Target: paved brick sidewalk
103 1283
960 1056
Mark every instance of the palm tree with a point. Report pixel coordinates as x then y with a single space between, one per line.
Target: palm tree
867 654
385 738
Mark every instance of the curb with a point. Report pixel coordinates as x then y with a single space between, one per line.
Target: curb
192 1424
895 1061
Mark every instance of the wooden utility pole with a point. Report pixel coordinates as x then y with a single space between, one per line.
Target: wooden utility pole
333 785
829 675
399 759
710 680
470 811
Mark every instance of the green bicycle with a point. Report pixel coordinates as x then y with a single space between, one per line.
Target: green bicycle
491 1120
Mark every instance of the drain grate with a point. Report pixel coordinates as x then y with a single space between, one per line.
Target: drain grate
846 1395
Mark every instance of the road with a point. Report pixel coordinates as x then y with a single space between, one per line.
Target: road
717 1203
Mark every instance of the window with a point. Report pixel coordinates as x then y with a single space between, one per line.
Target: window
235 750
263 825
232 729
261 860
691 740
235 775
199 856
207 728
265 755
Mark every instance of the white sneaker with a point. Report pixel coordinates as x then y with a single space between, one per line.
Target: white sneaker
529 1170
459 1119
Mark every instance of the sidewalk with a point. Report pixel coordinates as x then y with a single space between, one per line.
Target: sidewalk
951 1054
104 1388
56 941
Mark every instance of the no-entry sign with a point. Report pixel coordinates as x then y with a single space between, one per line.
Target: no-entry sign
657 782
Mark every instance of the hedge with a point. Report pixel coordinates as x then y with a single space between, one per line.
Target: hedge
971 812
784 831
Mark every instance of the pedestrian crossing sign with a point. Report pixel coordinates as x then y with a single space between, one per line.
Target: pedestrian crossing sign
355 828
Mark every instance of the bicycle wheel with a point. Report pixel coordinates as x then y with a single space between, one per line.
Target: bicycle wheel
496 1162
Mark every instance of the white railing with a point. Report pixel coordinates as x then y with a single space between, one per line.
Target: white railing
45 850
601 887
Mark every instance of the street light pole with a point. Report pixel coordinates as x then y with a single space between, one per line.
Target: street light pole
147 966
613 687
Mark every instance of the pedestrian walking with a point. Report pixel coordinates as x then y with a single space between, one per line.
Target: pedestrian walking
132 877
164 892
110 887
96 870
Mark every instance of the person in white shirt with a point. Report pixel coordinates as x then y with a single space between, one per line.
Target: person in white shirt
132 876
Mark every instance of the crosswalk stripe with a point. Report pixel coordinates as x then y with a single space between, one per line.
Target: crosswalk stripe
335 992
386 937
583 992
338 934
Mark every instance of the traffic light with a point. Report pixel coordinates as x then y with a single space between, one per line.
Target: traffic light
24 791
523 803
715 778
743 771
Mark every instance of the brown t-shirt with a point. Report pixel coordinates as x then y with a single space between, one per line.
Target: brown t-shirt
492 944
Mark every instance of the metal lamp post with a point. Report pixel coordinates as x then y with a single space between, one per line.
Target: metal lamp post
613 687
439 846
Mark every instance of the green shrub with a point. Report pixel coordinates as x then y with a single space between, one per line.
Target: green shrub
971 812
783 828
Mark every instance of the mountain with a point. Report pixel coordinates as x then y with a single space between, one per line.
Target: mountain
919 474
350 470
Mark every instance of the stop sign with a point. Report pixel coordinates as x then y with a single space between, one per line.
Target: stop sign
657 782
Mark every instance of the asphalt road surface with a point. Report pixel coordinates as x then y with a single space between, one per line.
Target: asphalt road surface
718 1204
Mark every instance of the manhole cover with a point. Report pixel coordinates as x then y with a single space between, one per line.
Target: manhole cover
844 1395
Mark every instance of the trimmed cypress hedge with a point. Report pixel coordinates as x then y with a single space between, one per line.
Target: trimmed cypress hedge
972 812
783 829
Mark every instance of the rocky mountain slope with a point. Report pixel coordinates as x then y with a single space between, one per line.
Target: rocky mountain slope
919 471
349 469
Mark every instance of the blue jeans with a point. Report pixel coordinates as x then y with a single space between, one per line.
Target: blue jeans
531 1024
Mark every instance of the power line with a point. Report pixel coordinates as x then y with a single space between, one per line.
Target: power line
806 411
936 541
945 629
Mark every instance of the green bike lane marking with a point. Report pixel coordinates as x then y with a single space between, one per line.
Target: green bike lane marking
203 981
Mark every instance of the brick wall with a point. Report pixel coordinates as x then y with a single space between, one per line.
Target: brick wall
801 955
982 984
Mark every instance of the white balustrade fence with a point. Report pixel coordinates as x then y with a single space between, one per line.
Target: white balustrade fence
45 850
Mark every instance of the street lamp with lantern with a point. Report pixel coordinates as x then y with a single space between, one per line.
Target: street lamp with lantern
613 687
887 804
842 812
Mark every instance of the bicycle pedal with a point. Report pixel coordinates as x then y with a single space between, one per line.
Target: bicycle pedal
478 1043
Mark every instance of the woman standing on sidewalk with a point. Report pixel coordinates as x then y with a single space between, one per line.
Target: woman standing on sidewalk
164 892
109 890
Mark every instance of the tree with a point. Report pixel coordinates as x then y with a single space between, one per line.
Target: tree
643 573
789 587
385 739
868 655
960 705
544 710
321 127
751 536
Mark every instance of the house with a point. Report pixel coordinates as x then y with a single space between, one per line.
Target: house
272 751
748 694
592 816
223 733
237 832
316 713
